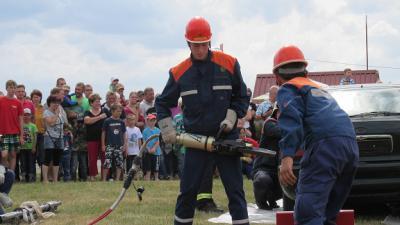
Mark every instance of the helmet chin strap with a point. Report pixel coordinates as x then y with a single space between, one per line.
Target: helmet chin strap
279 80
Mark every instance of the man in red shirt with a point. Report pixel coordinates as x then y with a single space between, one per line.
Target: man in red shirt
21 96
11 120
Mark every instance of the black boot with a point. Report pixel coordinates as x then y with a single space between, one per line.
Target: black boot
263 205
208 206
273 204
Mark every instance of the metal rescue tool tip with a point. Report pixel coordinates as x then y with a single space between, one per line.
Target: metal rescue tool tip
207 143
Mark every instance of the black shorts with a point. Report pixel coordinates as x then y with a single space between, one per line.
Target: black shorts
151 163
52 155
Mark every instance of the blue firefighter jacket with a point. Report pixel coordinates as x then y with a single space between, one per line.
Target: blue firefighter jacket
208 88
308 114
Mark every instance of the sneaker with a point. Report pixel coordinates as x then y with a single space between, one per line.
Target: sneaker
32 178
5 200
23 177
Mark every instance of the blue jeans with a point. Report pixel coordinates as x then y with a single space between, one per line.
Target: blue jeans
247 168
66 164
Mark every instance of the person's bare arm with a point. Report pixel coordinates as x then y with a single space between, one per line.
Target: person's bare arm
21 130
103 141
91 120
34 142
125 143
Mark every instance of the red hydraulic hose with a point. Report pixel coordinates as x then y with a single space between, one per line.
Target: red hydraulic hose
127 183
102 216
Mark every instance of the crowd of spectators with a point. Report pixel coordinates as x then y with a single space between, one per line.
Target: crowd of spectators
68 132
75 135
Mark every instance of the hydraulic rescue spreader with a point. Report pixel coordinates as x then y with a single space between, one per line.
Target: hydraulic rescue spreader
210 144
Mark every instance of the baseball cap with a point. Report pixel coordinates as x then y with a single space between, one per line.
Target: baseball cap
27 111
114 78
119 86
151 116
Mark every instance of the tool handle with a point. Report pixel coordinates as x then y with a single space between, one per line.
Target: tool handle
220 131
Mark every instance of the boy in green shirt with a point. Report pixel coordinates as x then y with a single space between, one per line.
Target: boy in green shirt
28 149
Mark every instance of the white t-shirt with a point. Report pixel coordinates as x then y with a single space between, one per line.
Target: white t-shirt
144 106
134 135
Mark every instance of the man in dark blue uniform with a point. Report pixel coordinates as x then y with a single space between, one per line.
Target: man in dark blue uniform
214 94
311 116
266 187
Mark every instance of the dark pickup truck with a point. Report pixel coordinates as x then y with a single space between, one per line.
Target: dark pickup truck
375 112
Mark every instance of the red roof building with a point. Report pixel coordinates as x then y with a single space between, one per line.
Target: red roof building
265 81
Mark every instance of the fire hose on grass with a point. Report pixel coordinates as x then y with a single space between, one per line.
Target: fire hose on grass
205 143
127 183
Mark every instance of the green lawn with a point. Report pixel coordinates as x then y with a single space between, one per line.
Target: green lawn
82 202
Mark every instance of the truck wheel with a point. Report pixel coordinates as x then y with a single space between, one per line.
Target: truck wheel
288 204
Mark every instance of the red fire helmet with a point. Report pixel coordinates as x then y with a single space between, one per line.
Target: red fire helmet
198 30
288 54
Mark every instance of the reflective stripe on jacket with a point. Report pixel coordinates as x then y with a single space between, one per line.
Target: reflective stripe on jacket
208 88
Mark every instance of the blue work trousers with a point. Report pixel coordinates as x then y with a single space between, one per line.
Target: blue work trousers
326 175
230 171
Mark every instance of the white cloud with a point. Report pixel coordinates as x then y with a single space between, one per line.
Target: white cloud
328 8
35 51
383 28
81 56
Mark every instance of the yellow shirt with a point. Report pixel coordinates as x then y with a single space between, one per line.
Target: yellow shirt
39 119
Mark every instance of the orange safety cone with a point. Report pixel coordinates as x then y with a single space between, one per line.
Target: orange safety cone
345 217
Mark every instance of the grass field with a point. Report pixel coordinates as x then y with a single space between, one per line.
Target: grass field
82 202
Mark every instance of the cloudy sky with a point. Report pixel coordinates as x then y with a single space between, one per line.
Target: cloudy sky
138 41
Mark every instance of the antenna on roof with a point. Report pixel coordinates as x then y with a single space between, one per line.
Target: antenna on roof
366 37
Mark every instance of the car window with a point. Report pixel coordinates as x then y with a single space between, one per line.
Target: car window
366 100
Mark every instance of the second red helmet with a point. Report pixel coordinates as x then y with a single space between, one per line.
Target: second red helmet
288 54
